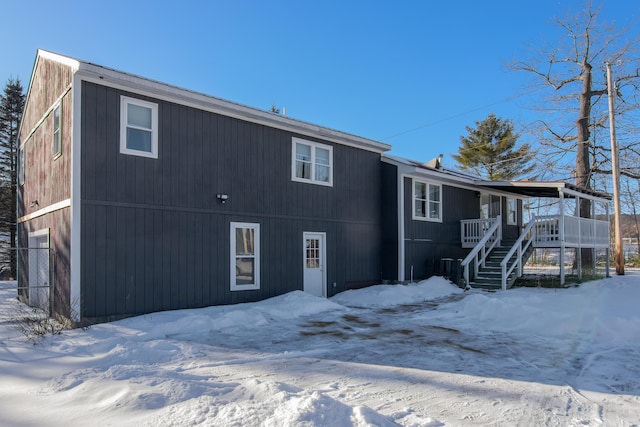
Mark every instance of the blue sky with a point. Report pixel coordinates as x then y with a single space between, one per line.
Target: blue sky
411 74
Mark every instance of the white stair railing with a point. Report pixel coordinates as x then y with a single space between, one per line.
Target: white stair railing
479 253
527 237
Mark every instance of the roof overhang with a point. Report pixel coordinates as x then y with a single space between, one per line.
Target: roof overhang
135 84
522 189
550 189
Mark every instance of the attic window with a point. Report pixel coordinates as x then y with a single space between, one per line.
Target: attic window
138 127
57 132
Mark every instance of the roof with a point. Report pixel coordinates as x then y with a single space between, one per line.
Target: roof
544 189
526 188
141 85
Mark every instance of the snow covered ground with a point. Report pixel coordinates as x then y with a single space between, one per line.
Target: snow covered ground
426 354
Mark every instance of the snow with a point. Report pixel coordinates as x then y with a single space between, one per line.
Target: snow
425 354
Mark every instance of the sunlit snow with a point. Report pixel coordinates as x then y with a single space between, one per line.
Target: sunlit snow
426 354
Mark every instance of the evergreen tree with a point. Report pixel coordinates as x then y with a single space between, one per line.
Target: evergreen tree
490 151
11 106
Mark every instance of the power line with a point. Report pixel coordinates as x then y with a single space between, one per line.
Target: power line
459 115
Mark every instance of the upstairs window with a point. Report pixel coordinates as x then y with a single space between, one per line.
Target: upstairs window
138 127
57 131
21 173
312 162
427 201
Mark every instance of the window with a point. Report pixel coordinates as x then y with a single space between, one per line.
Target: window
57 131
512 211
312 162
427 201
245 256
490 206
138 127
21 165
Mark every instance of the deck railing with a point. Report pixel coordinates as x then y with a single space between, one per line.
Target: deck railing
473 230
552 230
478 254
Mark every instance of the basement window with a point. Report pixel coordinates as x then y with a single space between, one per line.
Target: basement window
138 127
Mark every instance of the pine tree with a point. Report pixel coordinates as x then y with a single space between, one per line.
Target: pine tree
490 151
11 106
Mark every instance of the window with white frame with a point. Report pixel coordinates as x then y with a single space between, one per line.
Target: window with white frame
21 165
427 201
512 211
311 162
138 127
245 256
57 131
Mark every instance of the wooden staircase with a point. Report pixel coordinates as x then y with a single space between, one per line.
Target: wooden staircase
490 275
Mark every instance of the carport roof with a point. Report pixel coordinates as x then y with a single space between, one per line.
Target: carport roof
543 189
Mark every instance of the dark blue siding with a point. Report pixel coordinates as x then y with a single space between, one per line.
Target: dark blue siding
389 214
427 242
155 237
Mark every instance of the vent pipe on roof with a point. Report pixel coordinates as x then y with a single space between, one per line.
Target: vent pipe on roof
434 163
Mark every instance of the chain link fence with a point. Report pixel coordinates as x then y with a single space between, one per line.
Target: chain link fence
34 281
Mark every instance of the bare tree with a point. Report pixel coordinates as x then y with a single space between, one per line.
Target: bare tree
574 120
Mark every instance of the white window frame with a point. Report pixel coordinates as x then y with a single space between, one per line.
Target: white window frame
21 162
313 146
125 101
511 221
256 256
57 132
427 212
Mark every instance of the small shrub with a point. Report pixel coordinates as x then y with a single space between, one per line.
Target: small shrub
35 324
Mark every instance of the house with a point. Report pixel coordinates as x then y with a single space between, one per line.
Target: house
152 197
136 196
445 215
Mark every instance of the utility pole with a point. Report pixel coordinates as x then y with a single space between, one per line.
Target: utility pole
615 168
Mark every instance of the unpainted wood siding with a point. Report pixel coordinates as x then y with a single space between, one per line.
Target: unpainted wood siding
156 237
426 242
47 178
59 242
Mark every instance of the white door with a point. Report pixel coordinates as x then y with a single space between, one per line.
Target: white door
314 264
39 270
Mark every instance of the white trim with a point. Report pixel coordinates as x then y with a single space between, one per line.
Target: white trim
444 177
489 194
58 153
125 101
45 116
323 257
39 233
401 242
427 212
313 146
509 222
162 91
21 163
75 249
47 209
256 256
